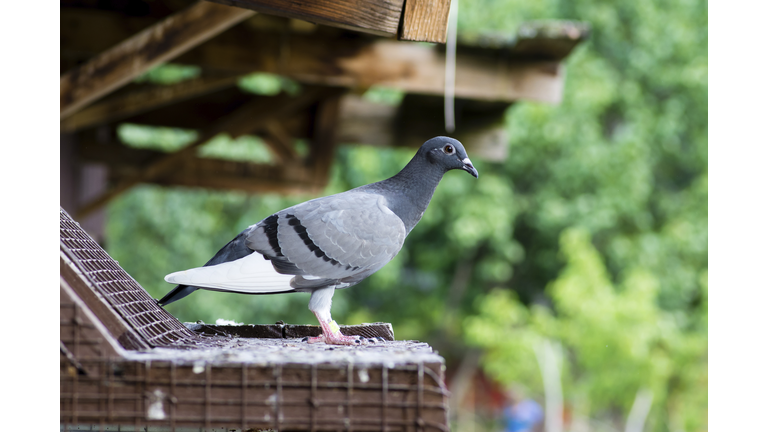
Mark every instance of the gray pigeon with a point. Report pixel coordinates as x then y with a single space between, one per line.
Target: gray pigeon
327 243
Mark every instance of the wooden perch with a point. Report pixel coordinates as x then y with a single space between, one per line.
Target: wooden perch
158 43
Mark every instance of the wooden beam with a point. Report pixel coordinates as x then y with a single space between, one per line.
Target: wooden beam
361 63
379 17
243 120
280 142
158 43
143 100
480 125
528 70
195 171
425 20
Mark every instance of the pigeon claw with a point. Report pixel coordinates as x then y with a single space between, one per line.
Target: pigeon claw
336 339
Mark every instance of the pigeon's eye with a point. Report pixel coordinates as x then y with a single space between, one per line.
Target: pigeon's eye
448 149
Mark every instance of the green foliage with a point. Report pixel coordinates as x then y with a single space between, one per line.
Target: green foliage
384 95
593 233
616 337
268 84
168 74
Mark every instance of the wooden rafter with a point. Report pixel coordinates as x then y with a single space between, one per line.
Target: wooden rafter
529 69
360 63
206 172
244 120
379 17
425 20
158 43
143 100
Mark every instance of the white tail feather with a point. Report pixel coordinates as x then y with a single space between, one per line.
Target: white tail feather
250 274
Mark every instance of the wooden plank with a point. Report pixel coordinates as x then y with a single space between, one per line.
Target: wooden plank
243 120
361 63
288 331
143 100
243 176
480 124
379 17
502 72
425 20
158 43
125 162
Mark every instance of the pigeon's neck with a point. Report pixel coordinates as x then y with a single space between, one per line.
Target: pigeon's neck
408 193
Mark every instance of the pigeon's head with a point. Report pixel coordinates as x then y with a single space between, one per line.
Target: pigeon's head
447 153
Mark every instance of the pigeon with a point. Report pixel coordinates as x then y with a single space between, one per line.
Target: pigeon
327 243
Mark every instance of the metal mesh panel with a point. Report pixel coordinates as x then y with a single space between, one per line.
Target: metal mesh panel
127 297
281 397
227 381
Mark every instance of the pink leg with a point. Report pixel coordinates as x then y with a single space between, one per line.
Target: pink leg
332 337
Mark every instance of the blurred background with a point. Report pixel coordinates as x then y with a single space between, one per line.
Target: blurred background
570 277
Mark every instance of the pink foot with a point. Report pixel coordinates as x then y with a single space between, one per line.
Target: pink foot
332 335
336 339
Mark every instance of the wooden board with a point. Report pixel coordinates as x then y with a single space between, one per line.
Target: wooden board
158 43
329 57
425 20
143 100
379 17
361 63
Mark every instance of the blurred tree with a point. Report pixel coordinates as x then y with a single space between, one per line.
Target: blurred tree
593 233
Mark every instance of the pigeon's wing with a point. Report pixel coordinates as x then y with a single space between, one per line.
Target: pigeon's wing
332 238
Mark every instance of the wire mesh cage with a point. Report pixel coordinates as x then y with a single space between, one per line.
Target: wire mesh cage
126 364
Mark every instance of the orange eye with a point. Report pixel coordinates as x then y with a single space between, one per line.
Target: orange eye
448 149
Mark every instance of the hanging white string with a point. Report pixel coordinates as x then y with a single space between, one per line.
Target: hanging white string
450 66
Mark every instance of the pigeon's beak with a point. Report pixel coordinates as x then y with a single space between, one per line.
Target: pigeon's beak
468 167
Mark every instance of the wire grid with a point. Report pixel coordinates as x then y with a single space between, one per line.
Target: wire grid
106 394
127 297
282 397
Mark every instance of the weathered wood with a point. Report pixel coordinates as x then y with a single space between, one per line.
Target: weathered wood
323 147
411 67
480 124
242 121
499 73
425 20
125 162
551 40
379 17
143 100
243 176
291 331
158 43
280 142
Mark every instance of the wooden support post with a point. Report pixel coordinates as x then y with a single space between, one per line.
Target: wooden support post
280 142
158 43
425 20
324 137
144 100
245 119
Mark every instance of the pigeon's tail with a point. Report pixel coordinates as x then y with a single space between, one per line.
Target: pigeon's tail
177 293
249 275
